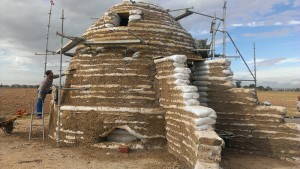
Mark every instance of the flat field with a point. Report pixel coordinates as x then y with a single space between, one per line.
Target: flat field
280 98
12 99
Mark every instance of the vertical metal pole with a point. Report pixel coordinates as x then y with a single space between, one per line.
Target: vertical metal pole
47 39
214 36
43 122
255 79
60 73
31 117
224 29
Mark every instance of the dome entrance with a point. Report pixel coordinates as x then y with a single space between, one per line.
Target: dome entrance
120 136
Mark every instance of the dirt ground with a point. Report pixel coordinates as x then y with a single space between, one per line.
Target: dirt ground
16 151
279 98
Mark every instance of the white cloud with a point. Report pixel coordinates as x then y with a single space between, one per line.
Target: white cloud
294 22
277 77
255 24
274 33
237 25
278 23
274 61
290 60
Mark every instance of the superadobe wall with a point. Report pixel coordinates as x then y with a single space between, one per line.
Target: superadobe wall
189 127
244 125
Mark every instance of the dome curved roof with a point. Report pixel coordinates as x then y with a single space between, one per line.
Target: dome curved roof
162 34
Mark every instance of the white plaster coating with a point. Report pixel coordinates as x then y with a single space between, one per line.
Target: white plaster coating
135 12
205 127
180 82
135 18
220 78
205 120
200 111
223 61
179 65
191 102
190 95
186 89
182 70
181 59
111 109
275 108
111 86
182 76
111 74
105 97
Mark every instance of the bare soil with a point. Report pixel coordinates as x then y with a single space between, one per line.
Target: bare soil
16 151
280 98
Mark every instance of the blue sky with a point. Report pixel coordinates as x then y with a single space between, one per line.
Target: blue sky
274 25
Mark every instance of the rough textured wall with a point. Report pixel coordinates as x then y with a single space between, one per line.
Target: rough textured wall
122 94
190 133
162 34
120 77
258 129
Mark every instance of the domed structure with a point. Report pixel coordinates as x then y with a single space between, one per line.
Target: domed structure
121 76
133 61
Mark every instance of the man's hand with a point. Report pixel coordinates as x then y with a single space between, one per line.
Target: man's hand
69 72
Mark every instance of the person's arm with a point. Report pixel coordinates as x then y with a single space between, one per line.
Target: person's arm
57 76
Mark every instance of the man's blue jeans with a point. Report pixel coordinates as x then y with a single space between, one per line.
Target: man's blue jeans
41 99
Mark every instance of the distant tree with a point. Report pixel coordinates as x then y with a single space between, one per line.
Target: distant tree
238 84
15 86
24 86
250 86
268 88
261 88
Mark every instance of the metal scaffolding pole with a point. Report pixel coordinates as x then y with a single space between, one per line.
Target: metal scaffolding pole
224 29
240 55
255 79
60 73
47 38
214 37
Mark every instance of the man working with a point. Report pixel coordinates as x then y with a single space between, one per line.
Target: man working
45 88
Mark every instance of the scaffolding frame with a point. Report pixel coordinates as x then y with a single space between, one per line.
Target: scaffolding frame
225 33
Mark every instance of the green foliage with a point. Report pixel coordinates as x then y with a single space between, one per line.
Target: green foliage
238 84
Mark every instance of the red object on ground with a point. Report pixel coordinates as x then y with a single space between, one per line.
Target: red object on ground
298 98
123 149
21 112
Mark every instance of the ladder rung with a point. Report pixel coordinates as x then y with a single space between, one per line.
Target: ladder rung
36 125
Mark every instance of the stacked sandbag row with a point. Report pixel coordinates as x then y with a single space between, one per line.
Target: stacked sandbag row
189 126
200 79
121 95
161 34
253 128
